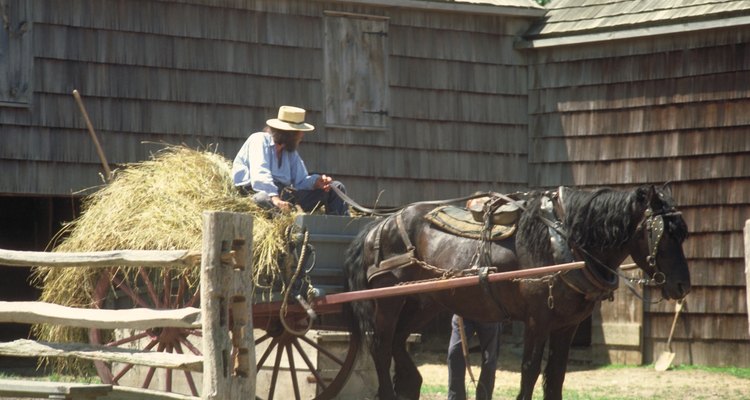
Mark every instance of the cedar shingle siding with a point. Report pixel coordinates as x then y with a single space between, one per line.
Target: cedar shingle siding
460 96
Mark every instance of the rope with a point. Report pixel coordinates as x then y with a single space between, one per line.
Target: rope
285 302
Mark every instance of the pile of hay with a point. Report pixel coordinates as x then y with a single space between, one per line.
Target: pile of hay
155 205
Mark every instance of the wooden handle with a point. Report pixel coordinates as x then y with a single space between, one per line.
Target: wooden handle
102 157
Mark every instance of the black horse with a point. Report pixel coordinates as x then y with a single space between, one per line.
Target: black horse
601 228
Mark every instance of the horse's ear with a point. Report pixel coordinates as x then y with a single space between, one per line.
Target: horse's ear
644 194
666 188
656 201
648 196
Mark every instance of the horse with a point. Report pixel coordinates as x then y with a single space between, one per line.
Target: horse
600 227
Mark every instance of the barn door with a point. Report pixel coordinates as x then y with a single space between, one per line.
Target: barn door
15 52
356 75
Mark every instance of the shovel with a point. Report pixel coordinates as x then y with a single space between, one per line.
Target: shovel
665 358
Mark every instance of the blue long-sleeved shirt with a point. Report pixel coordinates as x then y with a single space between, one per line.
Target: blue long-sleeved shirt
256 165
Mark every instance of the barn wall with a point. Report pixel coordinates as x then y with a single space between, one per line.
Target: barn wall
662 109
211 72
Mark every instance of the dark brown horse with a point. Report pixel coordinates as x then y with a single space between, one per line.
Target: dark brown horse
601 228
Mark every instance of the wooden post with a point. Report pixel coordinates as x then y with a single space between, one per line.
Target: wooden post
747 270
226 295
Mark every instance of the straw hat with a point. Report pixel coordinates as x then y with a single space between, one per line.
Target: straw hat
290 119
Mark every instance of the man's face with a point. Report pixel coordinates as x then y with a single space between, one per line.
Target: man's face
290 139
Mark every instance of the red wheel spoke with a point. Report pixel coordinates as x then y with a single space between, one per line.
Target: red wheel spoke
149 377
149 286
168 378
275 375
196 296
188 375
128 339
180 292
128 367
195 332
122 372
189 345
266 353
292 370
262 339
122 285
318 379
152 370
154 289
102 288
167 275
322 350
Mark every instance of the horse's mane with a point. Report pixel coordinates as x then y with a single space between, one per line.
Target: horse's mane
594 221
602 219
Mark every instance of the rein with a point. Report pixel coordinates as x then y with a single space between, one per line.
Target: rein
384 212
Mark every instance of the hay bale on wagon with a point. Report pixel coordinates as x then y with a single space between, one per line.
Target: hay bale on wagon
155 205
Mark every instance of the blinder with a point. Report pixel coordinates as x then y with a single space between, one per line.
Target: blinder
654 224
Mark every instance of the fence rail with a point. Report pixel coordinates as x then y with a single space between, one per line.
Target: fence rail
227 362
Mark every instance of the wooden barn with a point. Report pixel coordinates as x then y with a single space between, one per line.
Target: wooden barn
412 100
623 93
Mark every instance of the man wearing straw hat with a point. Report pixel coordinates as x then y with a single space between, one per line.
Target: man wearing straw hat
269 169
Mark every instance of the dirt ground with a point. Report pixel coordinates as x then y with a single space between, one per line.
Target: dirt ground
586 382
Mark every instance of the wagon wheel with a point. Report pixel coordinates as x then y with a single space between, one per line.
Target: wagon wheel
147 288
283 359
162 289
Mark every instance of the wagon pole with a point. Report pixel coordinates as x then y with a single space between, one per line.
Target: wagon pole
99 150
331 302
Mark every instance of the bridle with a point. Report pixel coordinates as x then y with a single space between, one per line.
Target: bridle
653 222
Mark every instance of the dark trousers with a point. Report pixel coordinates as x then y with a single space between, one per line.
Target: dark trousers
309 200
488 341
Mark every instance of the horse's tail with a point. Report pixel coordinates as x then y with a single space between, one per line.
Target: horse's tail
359 314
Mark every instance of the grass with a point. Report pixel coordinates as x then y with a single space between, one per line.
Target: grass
742 373
439 391
52 377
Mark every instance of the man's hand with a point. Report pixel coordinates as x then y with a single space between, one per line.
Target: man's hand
323 182
281 204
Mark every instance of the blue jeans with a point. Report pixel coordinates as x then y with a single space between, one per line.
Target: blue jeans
307 199
487 332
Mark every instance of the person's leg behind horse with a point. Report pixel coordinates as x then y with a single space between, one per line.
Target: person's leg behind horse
310 199
488 343
456 361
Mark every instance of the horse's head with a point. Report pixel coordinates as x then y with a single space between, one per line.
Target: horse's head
657 245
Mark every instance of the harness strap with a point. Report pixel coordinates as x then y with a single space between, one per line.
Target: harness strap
484 260
402 232
393 262
383 212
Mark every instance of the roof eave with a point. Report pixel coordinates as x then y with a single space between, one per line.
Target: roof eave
633 33
466 8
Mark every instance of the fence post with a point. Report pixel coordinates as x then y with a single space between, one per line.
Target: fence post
226 303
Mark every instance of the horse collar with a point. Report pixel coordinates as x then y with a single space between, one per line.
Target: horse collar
558 237
589 283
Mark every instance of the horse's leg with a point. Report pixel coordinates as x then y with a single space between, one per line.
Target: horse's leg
557 362
534 340
386 317
407 380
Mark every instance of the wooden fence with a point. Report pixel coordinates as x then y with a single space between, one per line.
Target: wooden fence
228 360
